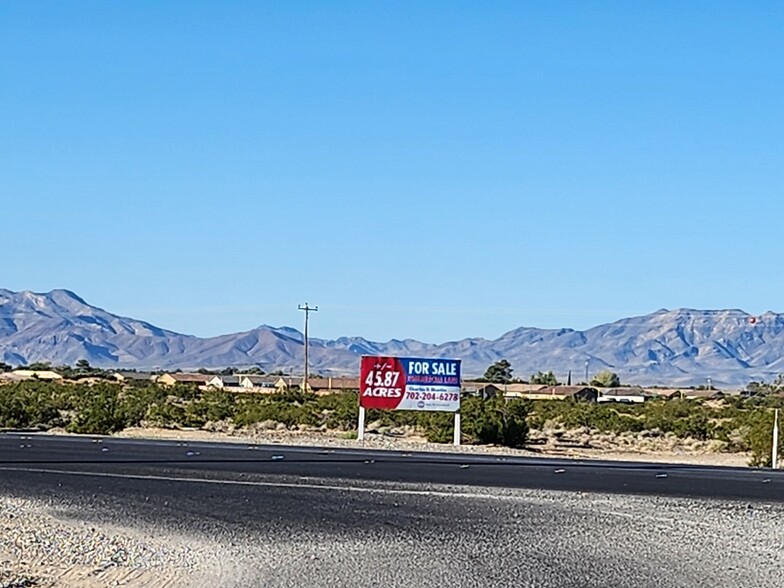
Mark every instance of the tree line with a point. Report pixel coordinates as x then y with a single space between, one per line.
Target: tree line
501 372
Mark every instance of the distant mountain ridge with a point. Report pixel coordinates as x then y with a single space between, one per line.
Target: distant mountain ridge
667 347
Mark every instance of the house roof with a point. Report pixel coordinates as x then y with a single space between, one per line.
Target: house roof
226 380
189 378
133 375
257 380
666 392
40 374
563 390
468 385
11 377
633 391
521 388
707 394
333 383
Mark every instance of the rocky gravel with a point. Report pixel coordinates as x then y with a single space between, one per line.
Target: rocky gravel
41 547
438 536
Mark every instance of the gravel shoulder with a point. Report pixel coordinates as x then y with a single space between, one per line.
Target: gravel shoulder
47 545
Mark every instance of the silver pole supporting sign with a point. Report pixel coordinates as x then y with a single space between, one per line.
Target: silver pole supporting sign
361 426
774 458
456 439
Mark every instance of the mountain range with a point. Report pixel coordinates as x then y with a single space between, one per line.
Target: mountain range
668 347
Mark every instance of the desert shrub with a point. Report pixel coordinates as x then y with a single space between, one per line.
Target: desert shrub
759 438
256 409
339 411
495 421
438 427
28 405
168 413
695 426
212 405
98 413
137 400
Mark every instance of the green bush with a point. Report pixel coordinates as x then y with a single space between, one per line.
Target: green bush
30 404
340 411
495 421
256 409
99 415
438 427
759 437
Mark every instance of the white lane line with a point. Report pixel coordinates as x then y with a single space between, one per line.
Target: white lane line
292 485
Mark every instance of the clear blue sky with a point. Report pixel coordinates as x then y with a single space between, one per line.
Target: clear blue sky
418 169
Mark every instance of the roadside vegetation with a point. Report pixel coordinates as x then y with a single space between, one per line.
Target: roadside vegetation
105 408
741 424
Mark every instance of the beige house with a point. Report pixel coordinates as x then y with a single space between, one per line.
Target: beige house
255 383
624 395
699 394
529 391
36 375
126 377
331 385
584 393
181 378
224 382
481 389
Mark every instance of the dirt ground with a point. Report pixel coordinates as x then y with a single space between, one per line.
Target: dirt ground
603 448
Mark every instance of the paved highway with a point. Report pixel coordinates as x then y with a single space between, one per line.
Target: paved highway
130 457
294 516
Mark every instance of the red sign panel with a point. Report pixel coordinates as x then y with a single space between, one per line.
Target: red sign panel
382 382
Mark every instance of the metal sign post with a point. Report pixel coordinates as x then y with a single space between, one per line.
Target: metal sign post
361 427
456 439
774 460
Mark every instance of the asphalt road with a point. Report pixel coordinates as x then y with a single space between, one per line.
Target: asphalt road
294 516
130 457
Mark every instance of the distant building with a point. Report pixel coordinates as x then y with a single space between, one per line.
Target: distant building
36 375
529 391
624 395
701 395
578 393
170 379
665 392
330 385
223 382
126 377
482 390
256 383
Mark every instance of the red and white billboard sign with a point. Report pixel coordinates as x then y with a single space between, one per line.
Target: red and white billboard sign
406 383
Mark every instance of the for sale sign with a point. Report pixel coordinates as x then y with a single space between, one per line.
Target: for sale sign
407 383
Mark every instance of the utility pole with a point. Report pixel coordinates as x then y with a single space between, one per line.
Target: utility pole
307 309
